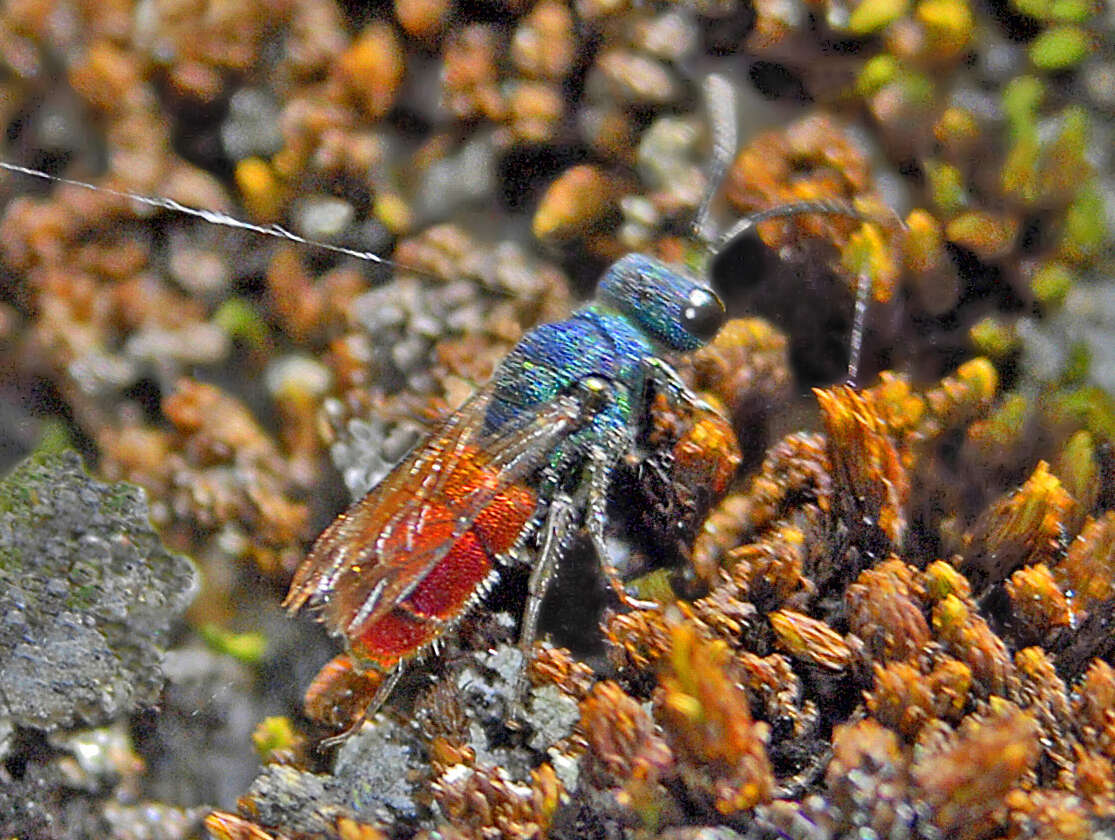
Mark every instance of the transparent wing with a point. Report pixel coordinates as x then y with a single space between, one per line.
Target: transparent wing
375 553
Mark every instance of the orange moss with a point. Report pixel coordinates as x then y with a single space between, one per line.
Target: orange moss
720 750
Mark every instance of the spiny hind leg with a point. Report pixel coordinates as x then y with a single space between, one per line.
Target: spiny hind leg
344 694
602 463
556 531
390 680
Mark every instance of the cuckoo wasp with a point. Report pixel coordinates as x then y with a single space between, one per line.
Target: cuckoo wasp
525 463
518 469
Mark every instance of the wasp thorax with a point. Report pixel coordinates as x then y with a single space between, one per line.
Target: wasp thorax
667 304
595 393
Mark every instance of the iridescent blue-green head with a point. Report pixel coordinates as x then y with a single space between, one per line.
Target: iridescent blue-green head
670 307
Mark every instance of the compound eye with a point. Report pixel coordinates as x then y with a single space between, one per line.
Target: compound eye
703 314
595 393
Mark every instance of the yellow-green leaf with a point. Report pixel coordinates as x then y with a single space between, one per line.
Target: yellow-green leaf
870 16
1060 47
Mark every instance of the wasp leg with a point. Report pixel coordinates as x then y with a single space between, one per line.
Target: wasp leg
666 379
602 462
383 691
556 533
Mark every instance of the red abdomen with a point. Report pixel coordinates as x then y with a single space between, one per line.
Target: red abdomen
441 597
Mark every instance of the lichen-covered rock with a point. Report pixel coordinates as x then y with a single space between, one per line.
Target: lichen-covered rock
83 783
377 776
87 591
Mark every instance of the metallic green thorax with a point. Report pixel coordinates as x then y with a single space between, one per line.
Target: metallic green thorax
642 305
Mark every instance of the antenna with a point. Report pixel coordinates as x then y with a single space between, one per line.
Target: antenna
721 105
723 116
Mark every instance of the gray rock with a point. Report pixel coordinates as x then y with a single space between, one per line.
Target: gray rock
87 593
